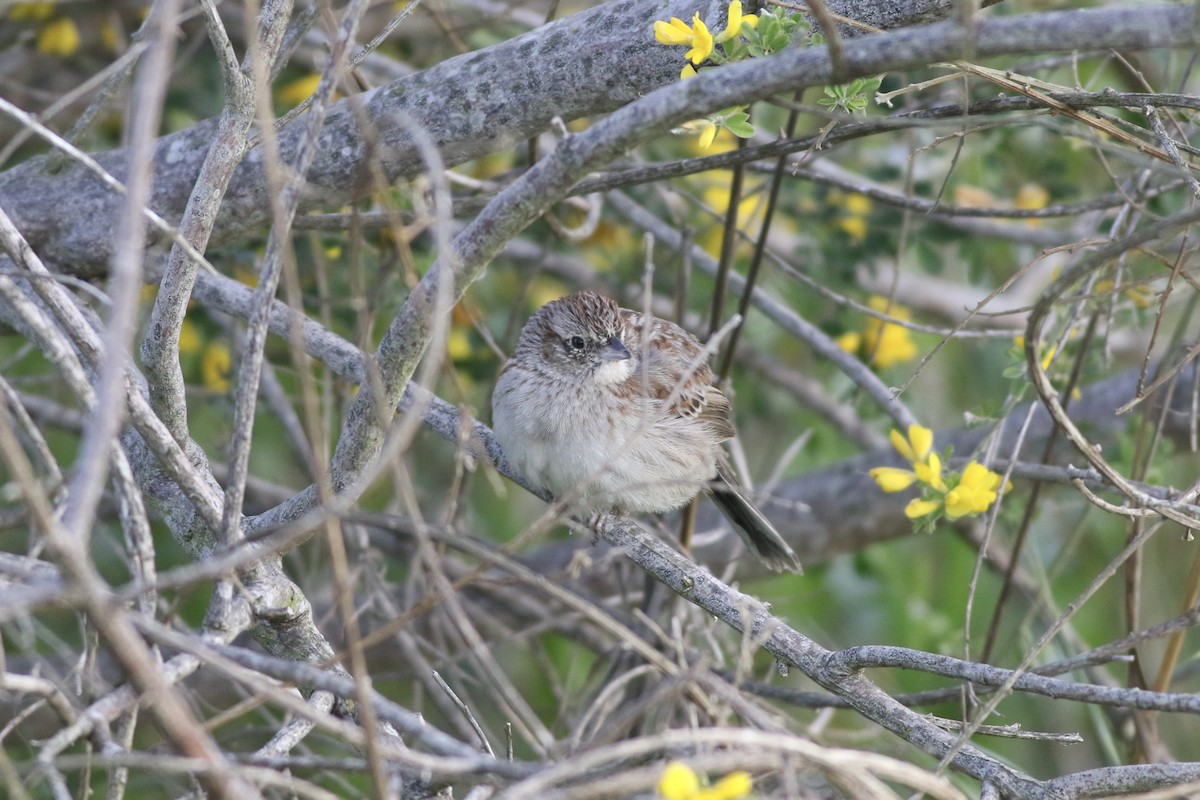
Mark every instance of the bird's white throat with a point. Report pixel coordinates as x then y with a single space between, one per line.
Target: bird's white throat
610 372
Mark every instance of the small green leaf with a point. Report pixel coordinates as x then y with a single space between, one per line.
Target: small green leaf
742 129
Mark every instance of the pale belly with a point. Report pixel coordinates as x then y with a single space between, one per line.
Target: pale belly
601 460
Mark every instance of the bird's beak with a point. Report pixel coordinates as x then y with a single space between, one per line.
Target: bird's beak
614 351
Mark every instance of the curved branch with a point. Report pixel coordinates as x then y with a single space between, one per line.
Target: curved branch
479 102
550 179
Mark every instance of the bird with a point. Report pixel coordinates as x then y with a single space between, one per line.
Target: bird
617 411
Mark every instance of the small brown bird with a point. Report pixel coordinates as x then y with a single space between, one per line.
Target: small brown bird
619 410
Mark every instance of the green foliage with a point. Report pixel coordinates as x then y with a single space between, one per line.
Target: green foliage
776 29
851 97
912 591
737 122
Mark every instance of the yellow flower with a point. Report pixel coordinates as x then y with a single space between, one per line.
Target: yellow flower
675 32
717 182
58 38
1140 295
977 489
887 343
215 365
707 135
968 196
855 227
886 306
678 32
733 27
975 492
733 786
30 12
918 507
717 196
750 208
893 345
109 36
850 341
678 782
458 344
1031 196
1019 342
930 473
698 37
298 91
857 204
702 42
189 338
1046 359
917 447
893 479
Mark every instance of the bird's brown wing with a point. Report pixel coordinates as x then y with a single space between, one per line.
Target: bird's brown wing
674 372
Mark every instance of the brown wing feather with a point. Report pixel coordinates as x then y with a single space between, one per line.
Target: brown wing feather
672 369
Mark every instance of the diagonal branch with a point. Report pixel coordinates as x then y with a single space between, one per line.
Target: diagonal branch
474 104
527 198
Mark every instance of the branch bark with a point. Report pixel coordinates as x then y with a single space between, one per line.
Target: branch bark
587 64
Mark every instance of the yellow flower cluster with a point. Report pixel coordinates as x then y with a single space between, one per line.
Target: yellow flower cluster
215 366
296 92
59 37
679 782
976 491
853 220
697 36
973 492
885 344
30 12
1029 197
55 37
190 340
704 47
1019 343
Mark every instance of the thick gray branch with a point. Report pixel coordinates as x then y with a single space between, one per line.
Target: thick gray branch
479 102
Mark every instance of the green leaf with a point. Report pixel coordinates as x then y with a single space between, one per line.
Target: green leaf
740 129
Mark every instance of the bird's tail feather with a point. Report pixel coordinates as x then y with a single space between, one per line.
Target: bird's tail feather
754 528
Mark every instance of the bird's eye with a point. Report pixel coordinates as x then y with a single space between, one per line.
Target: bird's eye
577 343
